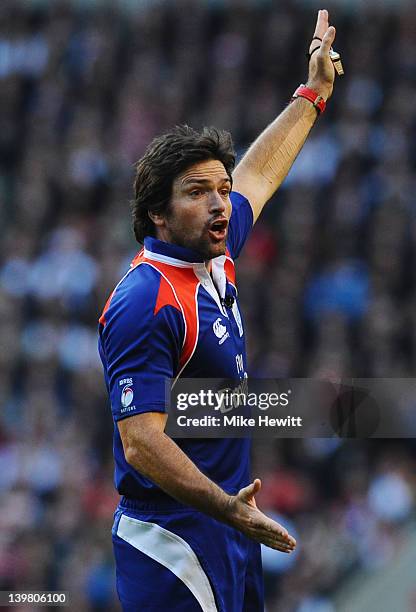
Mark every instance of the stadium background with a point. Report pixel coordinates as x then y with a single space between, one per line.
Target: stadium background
327 280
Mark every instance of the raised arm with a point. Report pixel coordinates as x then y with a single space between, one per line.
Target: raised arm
268 160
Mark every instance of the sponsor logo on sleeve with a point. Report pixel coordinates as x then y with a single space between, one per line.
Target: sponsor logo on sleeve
127 395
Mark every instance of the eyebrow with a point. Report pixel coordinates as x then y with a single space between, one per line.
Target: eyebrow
192 181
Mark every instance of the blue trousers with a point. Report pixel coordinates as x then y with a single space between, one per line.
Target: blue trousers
180 560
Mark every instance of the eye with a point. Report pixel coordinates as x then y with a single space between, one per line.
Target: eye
195 193
225 192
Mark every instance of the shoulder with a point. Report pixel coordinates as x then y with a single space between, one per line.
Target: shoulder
138 297
240 203
139 285
241 222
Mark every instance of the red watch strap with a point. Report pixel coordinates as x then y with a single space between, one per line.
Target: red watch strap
311 95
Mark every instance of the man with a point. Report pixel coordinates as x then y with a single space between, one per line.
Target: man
187 530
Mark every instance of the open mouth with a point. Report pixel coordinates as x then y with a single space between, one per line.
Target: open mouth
218 229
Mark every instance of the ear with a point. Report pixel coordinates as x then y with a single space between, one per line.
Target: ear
157 218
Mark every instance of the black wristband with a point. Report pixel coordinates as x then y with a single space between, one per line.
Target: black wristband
309 55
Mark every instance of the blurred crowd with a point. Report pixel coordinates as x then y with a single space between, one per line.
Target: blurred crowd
327 280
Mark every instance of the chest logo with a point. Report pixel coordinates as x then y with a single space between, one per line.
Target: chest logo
220 330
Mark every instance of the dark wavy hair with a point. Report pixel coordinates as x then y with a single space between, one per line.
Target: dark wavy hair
165 158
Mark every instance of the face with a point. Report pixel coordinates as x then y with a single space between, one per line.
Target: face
199 211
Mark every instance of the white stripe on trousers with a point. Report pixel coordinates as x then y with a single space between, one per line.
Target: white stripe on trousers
173 552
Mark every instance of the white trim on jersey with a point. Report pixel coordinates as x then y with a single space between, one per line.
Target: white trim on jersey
207 282
218 274
178 263
196 337
171 551
184 318
229 259
176 297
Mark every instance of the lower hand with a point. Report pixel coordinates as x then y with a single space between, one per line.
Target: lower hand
244 515
321 69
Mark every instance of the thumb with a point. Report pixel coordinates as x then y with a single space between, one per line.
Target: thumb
327 40
247 493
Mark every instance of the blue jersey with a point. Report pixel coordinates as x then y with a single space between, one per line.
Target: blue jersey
166 318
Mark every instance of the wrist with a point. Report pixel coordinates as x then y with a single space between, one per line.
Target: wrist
322 89
232 515
228 508
313 97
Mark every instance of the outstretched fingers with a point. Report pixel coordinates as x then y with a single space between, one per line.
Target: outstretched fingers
327 40
278 543
321 23
276 536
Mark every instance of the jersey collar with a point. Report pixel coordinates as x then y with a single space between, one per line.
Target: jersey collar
153 246
215 283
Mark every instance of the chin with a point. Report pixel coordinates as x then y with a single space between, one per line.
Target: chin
218 249
210 250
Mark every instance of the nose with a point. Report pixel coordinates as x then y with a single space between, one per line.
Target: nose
216 204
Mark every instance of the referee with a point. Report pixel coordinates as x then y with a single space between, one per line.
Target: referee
187 530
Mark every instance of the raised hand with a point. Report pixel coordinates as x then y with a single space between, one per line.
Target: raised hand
321 69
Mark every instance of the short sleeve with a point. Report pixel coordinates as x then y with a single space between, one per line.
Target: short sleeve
140 352
241 222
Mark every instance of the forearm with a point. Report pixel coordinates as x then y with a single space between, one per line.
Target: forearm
268 160
152 453
270 157
160 459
